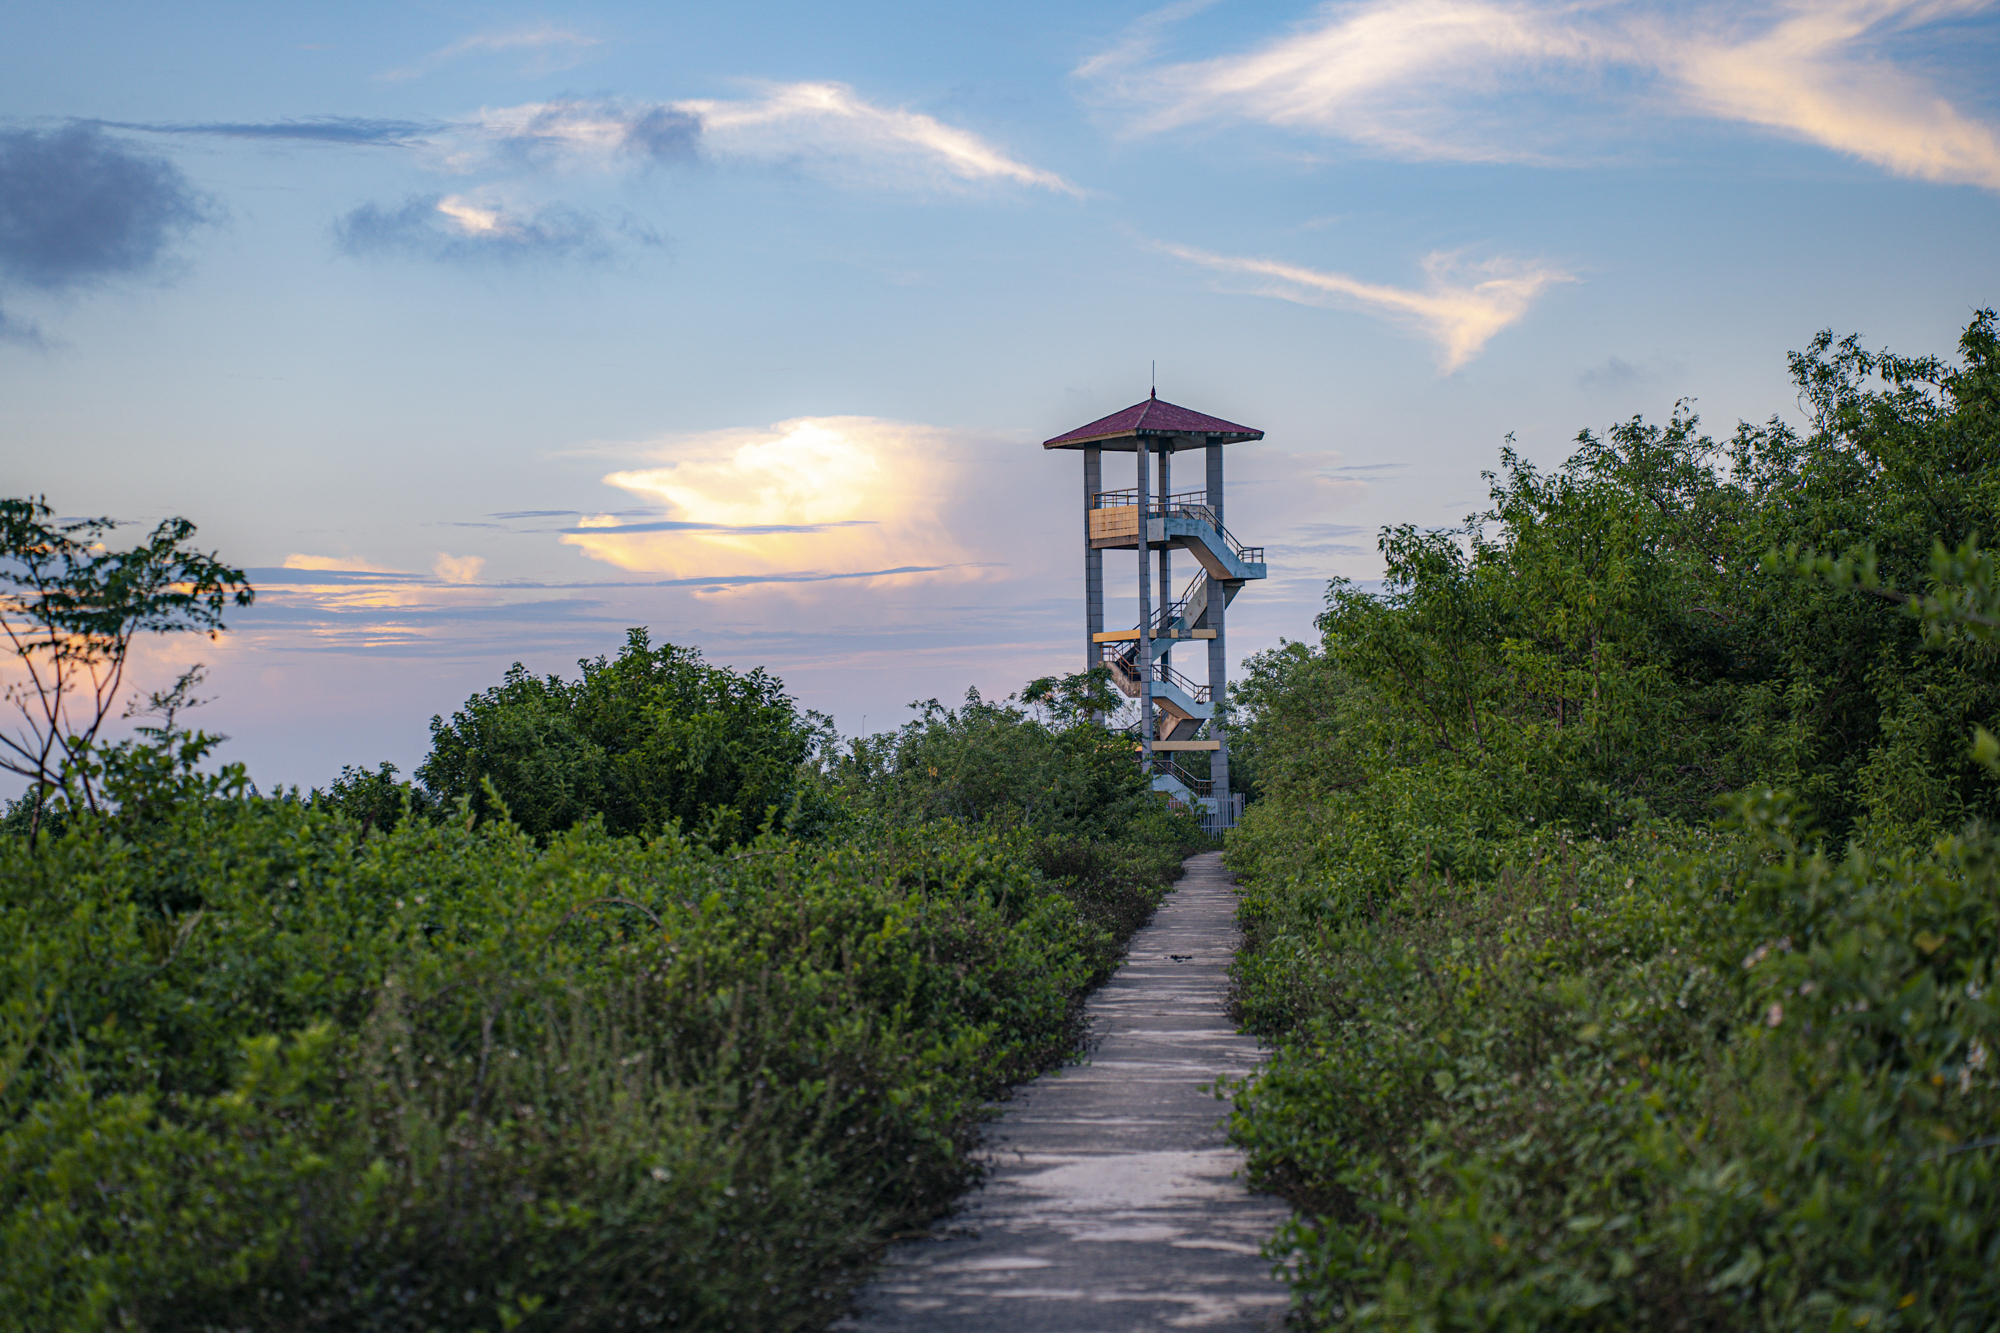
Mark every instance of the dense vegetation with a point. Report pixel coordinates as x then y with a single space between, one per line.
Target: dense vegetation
646 1006
1623 898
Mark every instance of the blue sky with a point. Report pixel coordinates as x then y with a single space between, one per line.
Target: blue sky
483 332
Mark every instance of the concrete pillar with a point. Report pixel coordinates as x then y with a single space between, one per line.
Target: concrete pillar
1144 660
1218 654
1093 561
1166 551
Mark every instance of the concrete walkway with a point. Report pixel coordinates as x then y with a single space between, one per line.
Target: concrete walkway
1111 1203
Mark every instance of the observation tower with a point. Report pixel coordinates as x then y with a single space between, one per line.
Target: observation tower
1177 715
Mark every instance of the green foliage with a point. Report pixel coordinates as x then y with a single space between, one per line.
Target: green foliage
259 1069
375 800
1552 1050
1675 1082
560 1038
1082 696
994 764
650 740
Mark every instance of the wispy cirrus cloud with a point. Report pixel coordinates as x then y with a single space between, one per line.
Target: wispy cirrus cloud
551 50
1814 73
350 130
819 128
830 124
1459 310
1488 80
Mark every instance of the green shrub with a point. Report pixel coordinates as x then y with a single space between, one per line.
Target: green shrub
1648 1085
995 765
1552 1051
651 739
267 1069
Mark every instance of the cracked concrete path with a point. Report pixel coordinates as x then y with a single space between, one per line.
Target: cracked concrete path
1110 1202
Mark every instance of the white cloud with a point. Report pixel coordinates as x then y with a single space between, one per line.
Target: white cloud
1810 74
1485 80
835 495
828 118
1457 314
474 219
458 568
551 49
826 128
1354 74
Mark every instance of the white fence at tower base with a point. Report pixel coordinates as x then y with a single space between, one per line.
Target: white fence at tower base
1219 813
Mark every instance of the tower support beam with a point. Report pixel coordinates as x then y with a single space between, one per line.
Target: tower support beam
1093 561
1218 655
1166 548
1145 658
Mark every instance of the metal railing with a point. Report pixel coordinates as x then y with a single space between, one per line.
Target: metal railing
1194 691
1128 497
1249 555
1186 504
1124 670
1164 766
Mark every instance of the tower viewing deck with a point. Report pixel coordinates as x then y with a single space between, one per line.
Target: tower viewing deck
1177 714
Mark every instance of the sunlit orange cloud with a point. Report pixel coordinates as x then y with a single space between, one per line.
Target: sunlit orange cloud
814 494
344 562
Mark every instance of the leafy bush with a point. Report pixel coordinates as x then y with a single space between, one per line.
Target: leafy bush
653 738
994 764
638 1008
1553 1051
1653 1084
439 1076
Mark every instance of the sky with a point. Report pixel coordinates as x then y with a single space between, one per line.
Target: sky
479 333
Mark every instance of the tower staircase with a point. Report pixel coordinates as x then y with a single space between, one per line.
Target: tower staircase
1181 705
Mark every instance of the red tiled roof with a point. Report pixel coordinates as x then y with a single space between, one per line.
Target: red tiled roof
1151 416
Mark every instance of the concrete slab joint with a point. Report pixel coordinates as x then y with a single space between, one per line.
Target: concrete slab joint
1114 1201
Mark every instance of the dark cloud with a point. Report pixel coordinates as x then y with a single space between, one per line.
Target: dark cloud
422 228
314 129
316 577
572 513
1615 373
1372 467
77 206
663 134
